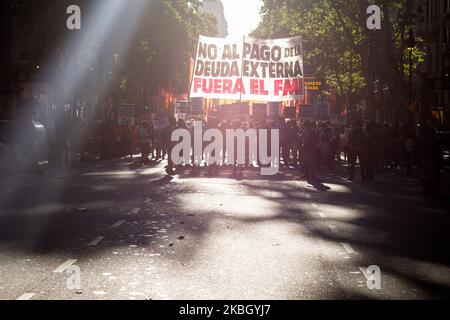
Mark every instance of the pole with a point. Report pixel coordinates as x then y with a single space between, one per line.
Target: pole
195 65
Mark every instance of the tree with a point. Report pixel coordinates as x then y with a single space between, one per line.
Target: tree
356 61
147 44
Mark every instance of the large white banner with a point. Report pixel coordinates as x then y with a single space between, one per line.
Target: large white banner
248 69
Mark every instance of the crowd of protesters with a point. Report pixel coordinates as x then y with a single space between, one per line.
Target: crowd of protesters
313 147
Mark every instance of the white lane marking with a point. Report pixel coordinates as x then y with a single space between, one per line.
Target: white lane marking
135 211
96 241
333 228
26 296
118 224
64 266
316 206
348 248
322 215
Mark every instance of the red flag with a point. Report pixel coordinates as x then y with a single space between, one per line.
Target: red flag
169 102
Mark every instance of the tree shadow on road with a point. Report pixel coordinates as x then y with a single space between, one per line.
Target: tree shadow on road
46 218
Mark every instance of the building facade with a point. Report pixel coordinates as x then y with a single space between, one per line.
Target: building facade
215 7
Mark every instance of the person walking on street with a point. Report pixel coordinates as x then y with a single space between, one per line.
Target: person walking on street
169 144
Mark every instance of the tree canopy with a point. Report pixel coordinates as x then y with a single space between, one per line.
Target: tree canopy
355 61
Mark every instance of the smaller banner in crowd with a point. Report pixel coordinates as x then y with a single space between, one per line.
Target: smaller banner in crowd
127 114
308 113
317 112
274 110
236 111
323 111
248 69
197 106
182 107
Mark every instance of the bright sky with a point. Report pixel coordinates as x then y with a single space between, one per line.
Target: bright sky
242 16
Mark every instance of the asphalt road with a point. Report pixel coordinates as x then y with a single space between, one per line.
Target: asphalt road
134 233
